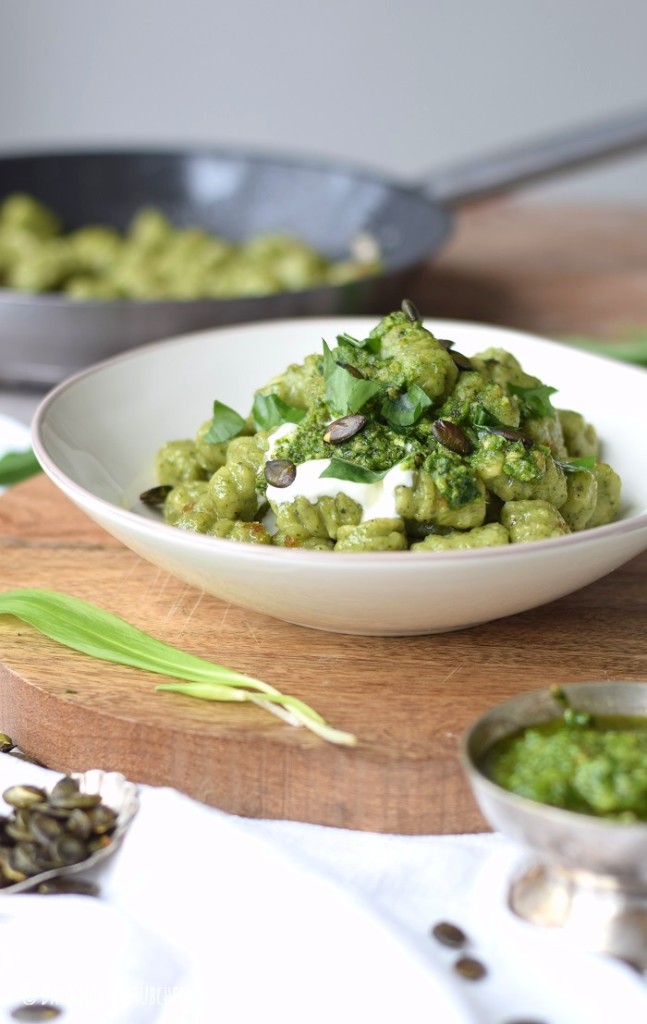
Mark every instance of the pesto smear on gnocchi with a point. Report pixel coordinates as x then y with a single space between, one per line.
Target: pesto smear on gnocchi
392 442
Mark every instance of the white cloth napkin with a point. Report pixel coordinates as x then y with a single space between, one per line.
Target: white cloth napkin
206 917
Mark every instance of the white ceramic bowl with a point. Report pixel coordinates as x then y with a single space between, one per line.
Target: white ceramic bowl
96 436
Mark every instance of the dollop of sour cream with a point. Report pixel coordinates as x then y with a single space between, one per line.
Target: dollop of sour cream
377 500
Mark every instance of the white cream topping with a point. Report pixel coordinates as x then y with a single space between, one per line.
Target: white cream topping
377 500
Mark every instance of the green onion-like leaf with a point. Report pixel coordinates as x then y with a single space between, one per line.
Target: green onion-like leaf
345 393
340 469
407 408
535 399
372 345
575 465
630 349
271 411
17 466
91 630
226 423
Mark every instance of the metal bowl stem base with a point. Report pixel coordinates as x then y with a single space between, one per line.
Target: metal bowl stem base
602 913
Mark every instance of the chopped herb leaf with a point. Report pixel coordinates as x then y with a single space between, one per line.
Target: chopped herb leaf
535 399
226 423
575 465
407 408
17 466
345 393
372 345
340 469
271 411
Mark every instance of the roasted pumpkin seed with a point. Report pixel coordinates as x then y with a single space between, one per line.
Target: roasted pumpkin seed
470 969
24 796
344 428
462 362
50 831
511 434
34 1012
156 495
449 934
354 372
410 311
451 436
280 472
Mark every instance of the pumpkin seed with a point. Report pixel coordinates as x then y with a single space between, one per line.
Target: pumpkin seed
24 796
49 831
280 472
511 434
462 362
6 743
451 436
470 968
354 372
410 311
449 934
344 428
155 495
36 1012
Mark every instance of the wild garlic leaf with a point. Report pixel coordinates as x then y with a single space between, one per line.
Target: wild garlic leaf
341 469
575 465
270 411
407 408
91 630
345 393
536 400
629 349
226 423
17 466
372 345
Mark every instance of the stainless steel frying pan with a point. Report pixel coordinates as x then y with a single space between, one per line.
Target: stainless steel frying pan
44 338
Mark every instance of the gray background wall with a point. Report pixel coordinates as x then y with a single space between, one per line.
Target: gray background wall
402 87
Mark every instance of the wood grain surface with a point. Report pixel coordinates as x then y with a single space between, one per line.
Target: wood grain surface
407 699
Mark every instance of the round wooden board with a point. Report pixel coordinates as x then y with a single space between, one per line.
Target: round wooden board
407 699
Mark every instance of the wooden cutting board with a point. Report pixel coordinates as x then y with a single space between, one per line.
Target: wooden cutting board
407 699
549 270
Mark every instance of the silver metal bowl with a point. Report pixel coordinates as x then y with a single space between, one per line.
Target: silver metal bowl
587 875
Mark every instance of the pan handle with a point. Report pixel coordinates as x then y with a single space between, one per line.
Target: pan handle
545 158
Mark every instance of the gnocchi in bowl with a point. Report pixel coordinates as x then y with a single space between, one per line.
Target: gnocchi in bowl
407 476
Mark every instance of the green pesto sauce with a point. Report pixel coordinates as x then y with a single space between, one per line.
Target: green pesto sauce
376 447
598 769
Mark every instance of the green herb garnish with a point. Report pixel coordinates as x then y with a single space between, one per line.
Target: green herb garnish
570 715
371 345
345 393
535 399
270 411
17 466
226 423
575 465
341 469
631 349
91 630
407 408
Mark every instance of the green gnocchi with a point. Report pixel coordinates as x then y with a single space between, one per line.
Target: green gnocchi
389 443
155 260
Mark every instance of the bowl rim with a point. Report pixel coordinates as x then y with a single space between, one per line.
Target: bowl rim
204 542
